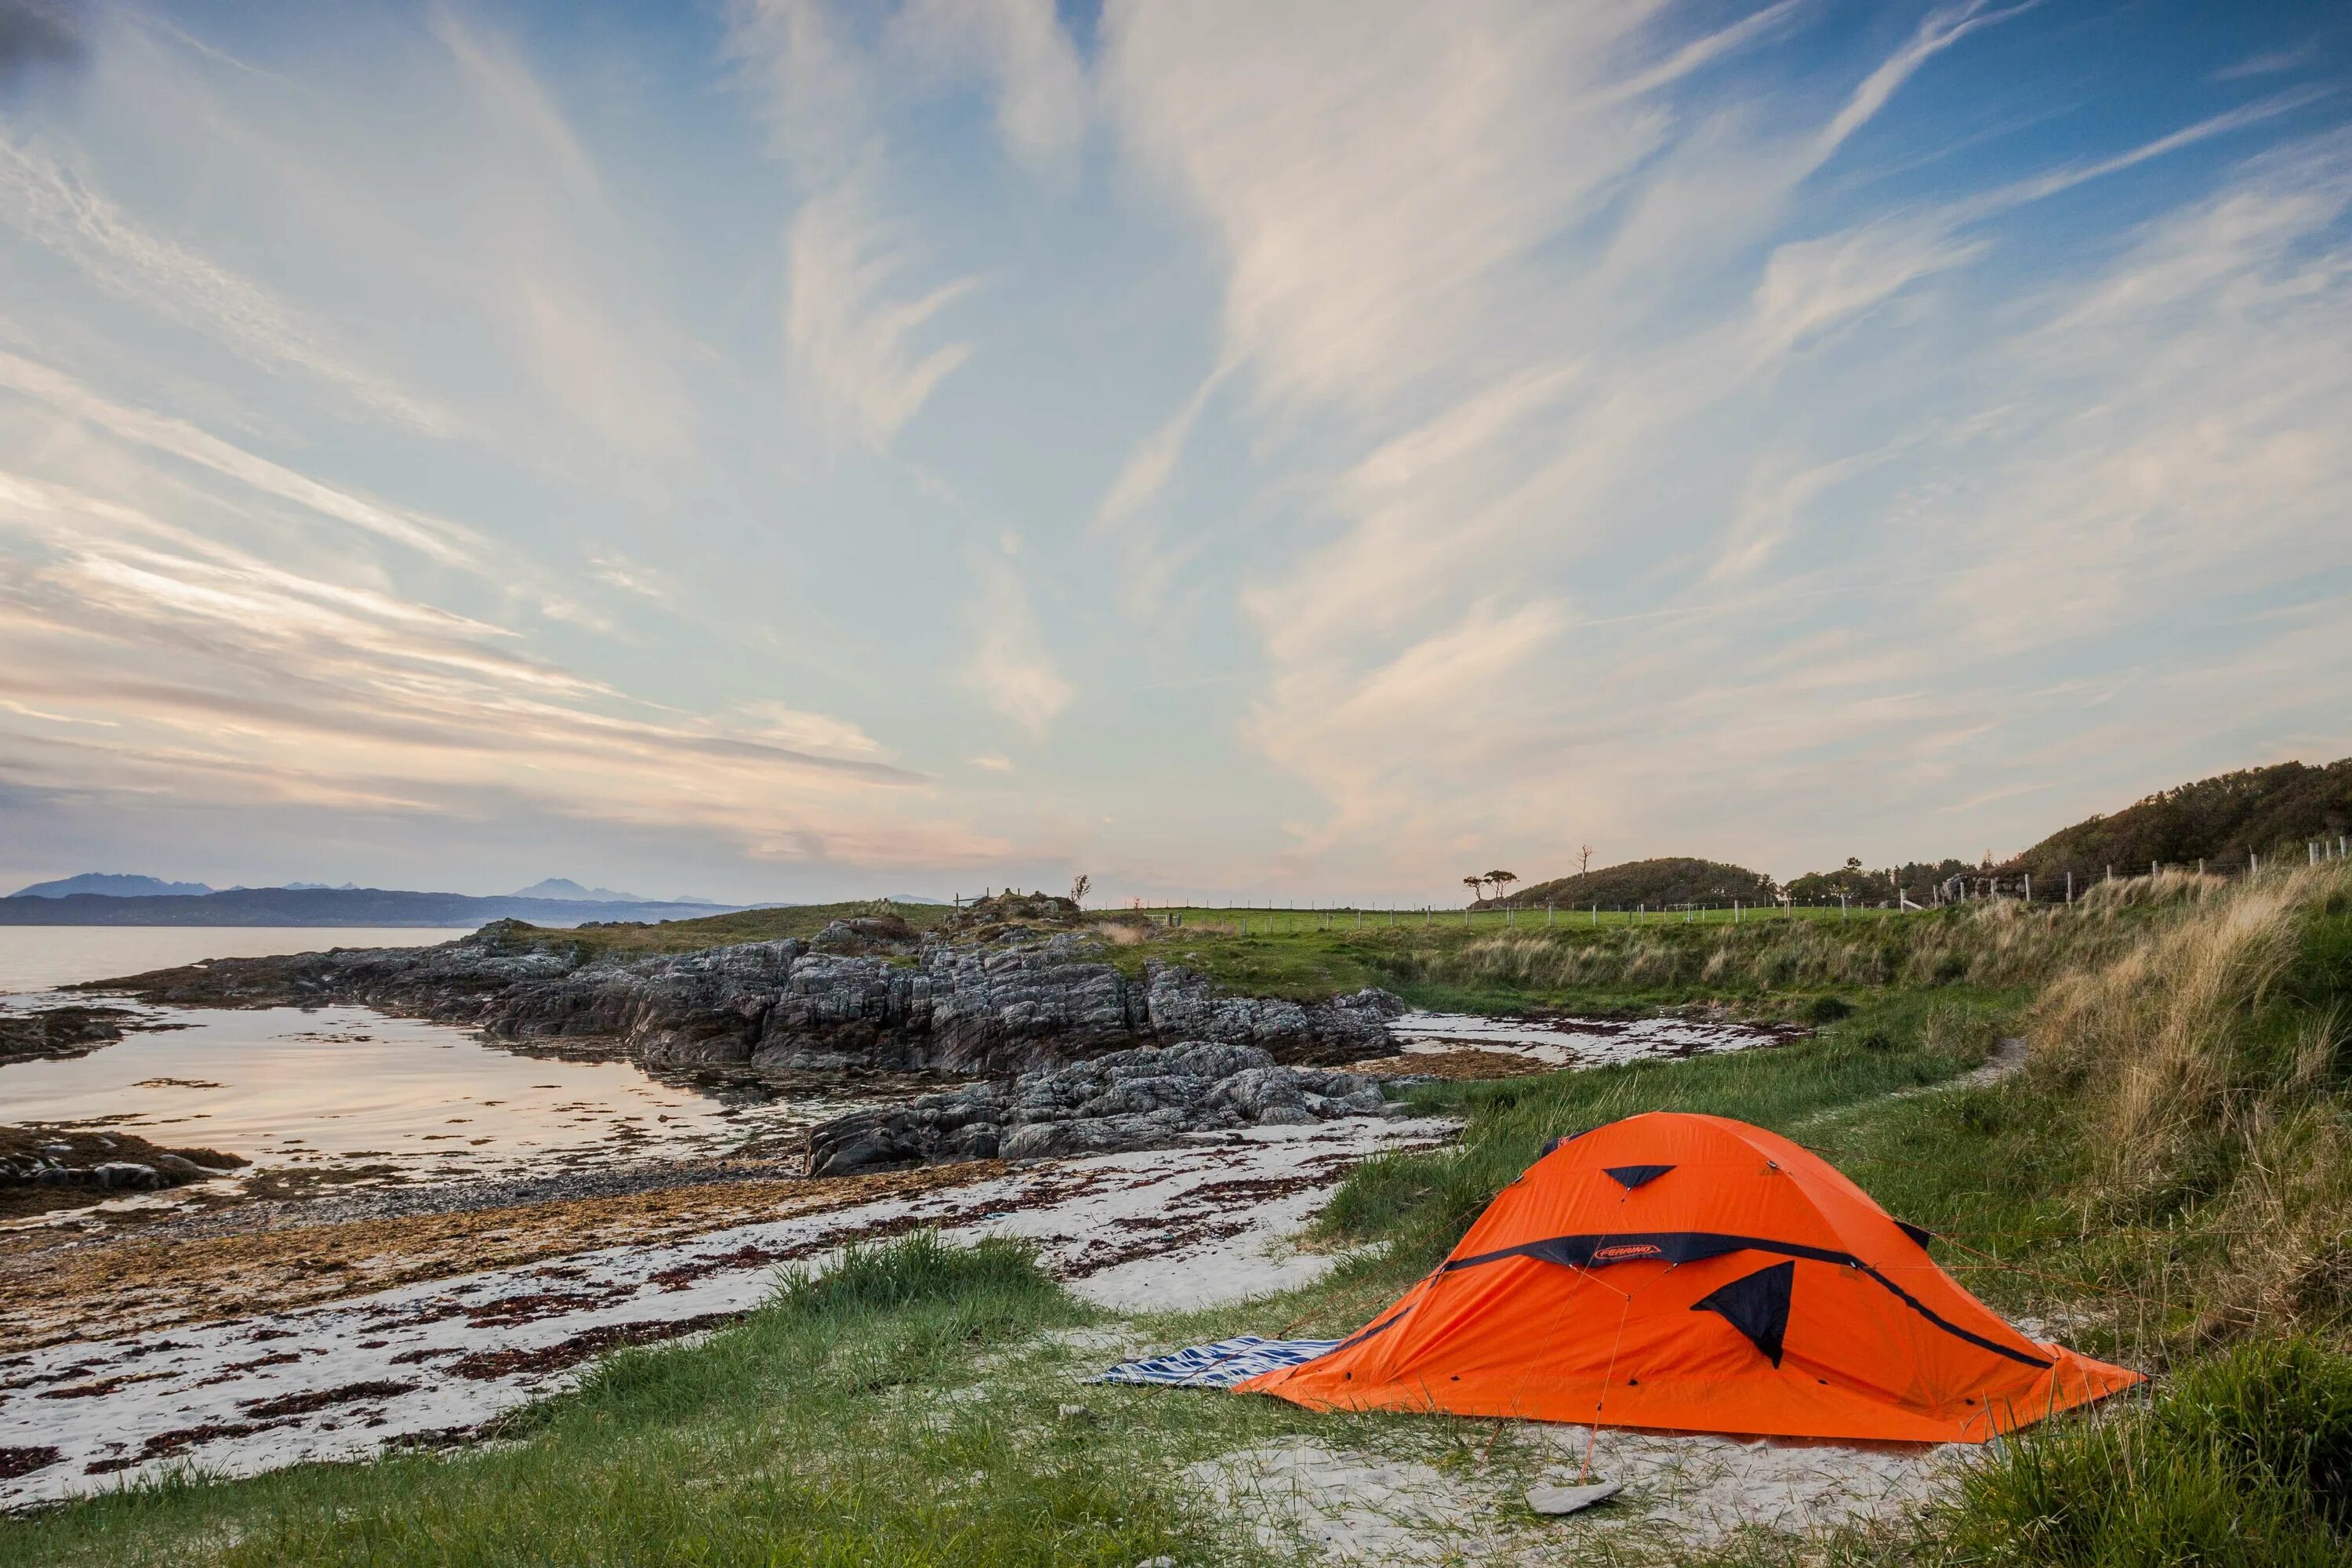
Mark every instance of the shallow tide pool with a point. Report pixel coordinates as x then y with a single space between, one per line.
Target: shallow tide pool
344 1096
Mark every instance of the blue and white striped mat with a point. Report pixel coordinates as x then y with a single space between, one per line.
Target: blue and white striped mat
1220 1365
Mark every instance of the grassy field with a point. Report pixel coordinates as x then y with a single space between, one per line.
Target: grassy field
1765 964
2168 1182
802 920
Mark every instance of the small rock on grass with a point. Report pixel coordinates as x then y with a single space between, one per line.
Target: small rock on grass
1569 1499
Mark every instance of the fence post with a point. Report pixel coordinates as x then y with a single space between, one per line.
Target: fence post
1551 916
2070 887
1596 914
2028 886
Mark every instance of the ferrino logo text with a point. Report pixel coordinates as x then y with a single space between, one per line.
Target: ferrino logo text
1623 1251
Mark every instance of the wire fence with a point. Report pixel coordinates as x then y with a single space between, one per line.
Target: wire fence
1284 917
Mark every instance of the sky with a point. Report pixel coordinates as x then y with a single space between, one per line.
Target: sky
780 449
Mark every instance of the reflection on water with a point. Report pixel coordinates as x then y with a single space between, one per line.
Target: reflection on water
343 1092
34 958
1578 1042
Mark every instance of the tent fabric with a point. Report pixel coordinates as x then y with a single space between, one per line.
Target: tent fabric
1746 1287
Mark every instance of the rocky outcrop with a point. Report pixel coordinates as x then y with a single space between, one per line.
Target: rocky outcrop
43 1167
56 1032
848 998
1136 1098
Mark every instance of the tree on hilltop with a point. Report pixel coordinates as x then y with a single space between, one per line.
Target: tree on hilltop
1477 886
1502 880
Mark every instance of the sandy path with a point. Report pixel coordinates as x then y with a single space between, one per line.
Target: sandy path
1167 1228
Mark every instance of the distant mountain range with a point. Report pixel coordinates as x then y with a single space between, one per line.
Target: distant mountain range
107 899
108 884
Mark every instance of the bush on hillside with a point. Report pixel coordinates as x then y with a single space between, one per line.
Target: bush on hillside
2272 811
1653 884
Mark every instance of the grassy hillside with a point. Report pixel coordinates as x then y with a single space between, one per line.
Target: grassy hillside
1653 884
714 930
2272 812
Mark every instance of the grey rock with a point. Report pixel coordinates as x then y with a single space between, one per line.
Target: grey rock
1142 1098
114 1175
864 993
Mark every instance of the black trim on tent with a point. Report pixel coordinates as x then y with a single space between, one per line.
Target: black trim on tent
1632 1176
1756 1305
1693 1245
1362 1334
1918 1233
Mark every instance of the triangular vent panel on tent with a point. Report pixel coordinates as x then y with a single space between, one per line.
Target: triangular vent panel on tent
1756 1305
1632 1176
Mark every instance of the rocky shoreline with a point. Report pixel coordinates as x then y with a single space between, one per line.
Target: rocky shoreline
59 1034
1144 1098
863 996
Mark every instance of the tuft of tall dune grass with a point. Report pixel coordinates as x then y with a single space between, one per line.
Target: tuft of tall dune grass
2000 943
2204 1069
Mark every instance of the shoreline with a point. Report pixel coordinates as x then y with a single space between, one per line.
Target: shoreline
428 1343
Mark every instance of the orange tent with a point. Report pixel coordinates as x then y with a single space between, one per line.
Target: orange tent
1695 1274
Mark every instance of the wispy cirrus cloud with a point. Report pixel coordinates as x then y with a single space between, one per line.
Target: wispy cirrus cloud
202 656
1508 391
1007 663
1454 432
860 340
443 540
48 203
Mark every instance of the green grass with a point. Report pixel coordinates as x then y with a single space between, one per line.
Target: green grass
802 921
904 1407
1774 966
810 1433
2244 1461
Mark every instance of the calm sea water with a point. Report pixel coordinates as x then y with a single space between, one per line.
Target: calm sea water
342 1093
36 958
